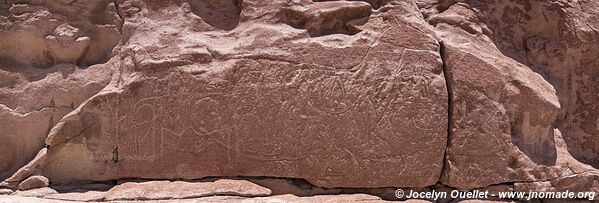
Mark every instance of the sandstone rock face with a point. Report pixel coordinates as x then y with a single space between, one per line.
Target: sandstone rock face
47 54
290 92
520 90
587 181
310 97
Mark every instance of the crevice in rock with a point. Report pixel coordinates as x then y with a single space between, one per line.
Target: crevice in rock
448 77
50 124
115 154
118 13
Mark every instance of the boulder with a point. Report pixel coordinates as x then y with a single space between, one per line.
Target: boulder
34 182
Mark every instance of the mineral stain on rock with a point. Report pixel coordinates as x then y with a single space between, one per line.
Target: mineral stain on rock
328 98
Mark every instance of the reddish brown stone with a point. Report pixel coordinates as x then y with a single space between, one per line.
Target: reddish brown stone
513 117
47 57
351 96
363 109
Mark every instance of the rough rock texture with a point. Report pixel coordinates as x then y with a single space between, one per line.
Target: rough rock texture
588 182
184 190
38 192
520 83
47 54
34 182
289 92
5 191
222 190
308 97
294 187
278 198
86 196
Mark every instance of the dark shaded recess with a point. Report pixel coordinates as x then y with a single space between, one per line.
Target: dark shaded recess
49 58
220 14
541 151
376 4
4 6
79 61
340 22
159 4
448 75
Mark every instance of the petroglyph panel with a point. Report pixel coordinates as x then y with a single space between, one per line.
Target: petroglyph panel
362 110
322 125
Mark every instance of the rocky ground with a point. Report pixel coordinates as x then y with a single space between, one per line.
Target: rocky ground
208 190
296 100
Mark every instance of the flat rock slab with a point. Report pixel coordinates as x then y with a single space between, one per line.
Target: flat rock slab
34 182
19 199
39 192
285 186
293 198
157 190
87 196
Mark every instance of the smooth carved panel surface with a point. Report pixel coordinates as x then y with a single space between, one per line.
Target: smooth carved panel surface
285 120
363 110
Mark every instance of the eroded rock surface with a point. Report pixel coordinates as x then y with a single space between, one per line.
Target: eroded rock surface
360 96
221 190
47 54
520 88
184 190
265 99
